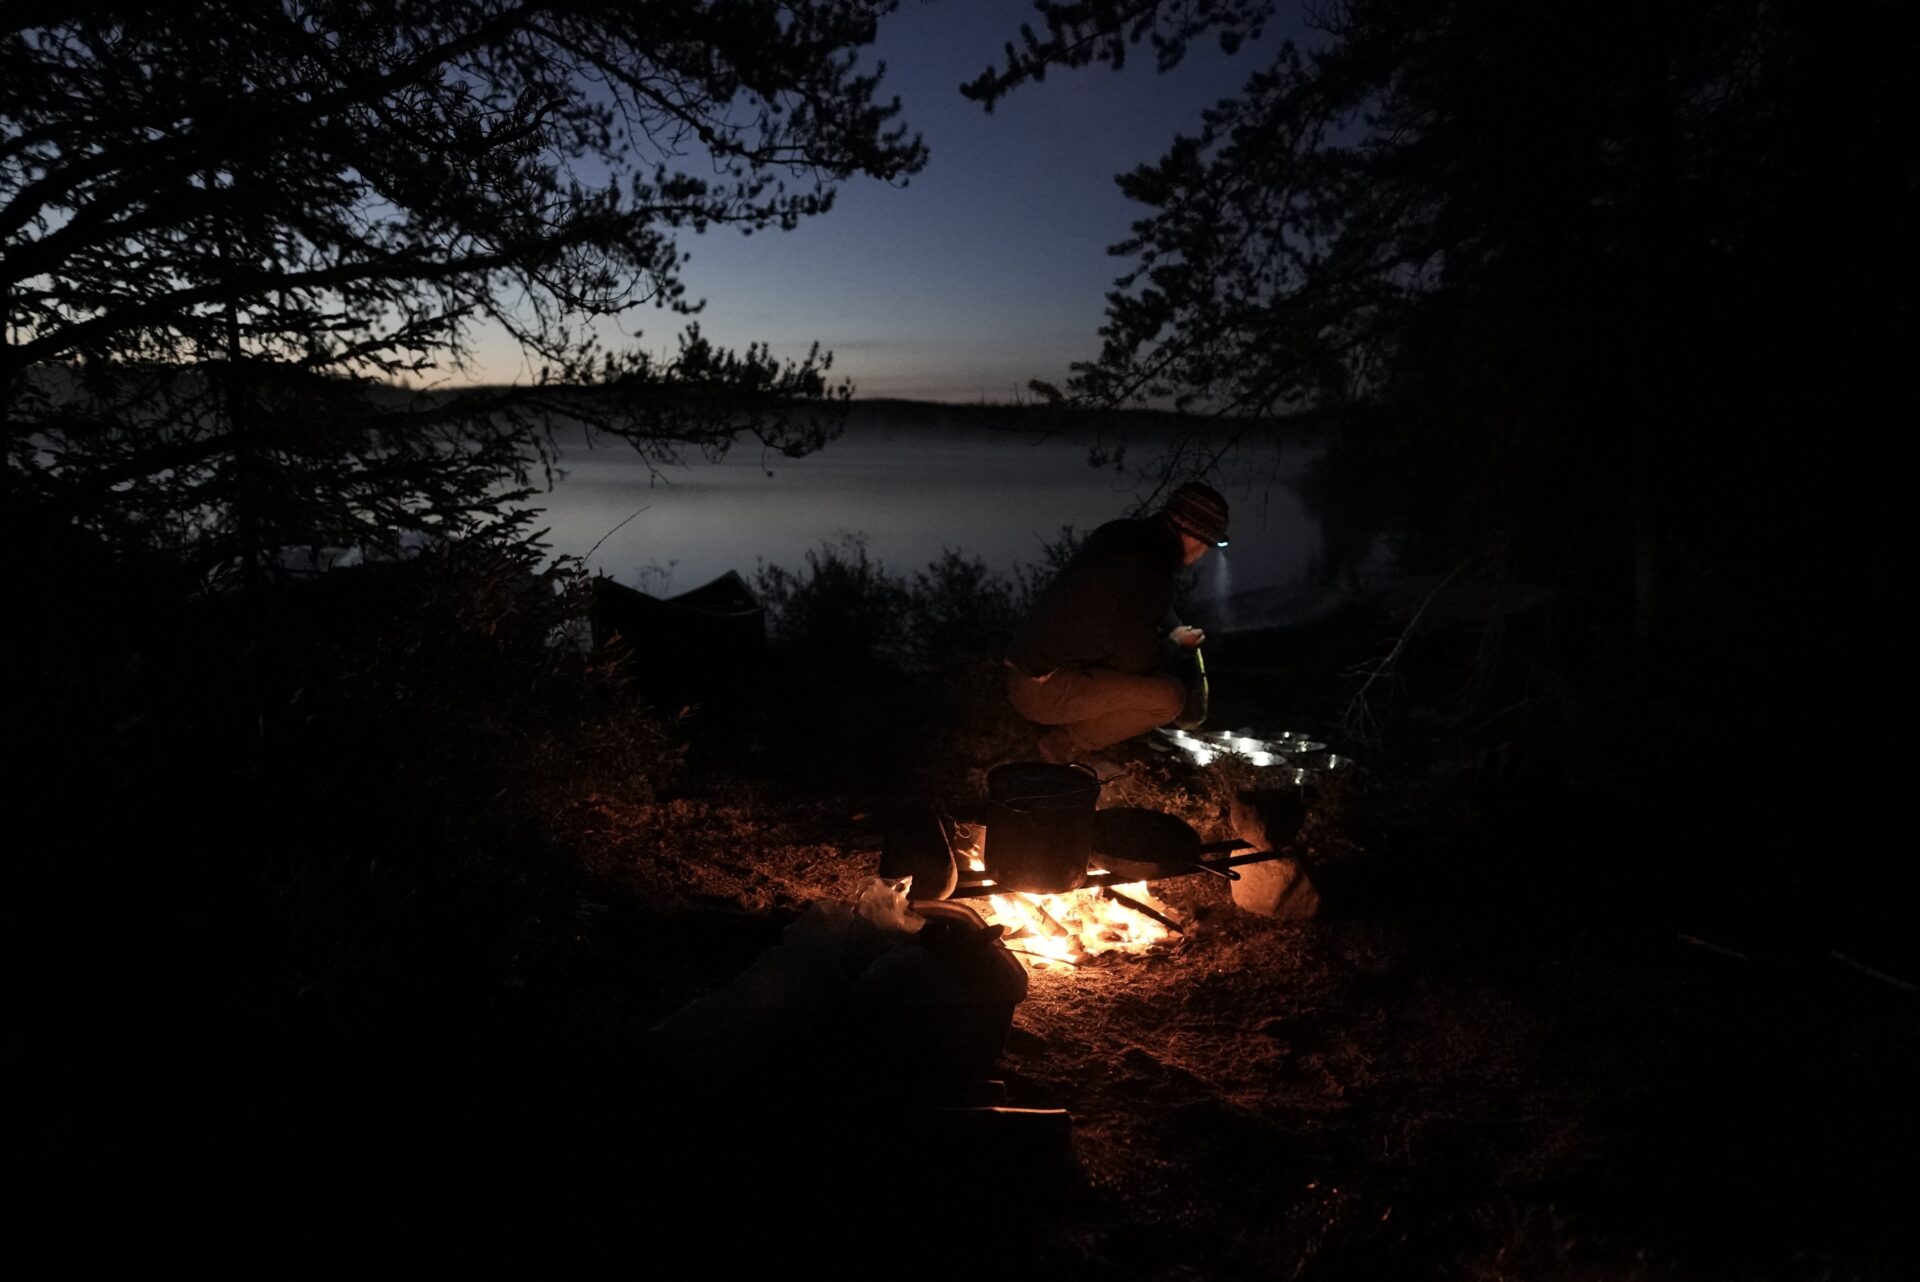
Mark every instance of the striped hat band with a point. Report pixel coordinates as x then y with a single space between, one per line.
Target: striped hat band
1198 510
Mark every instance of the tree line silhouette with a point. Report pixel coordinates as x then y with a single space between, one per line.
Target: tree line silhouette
231 228
1577 289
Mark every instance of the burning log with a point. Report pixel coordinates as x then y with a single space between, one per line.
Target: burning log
1051 940
1034 1141
1147 906
1076 926
1052 928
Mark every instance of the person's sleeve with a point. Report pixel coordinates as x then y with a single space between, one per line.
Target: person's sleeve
1168 647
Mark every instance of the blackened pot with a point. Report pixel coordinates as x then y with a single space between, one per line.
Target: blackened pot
1040 825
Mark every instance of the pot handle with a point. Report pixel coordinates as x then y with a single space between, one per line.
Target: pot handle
1085 769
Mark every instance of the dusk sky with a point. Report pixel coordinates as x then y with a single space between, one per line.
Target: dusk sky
990 268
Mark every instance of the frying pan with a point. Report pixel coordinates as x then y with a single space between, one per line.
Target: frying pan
1141 844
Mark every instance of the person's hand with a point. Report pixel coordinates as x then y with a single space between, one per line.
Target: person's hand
1188 637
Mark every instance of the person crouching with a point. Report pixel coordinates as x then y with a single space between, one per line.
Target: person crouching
1089 660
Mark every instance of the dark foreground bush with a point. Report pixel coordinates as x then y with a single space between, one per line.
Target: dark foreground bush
322 818
885 682
843 608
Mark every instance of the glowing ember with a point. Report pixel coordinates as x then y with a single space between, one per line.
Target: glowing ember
1071 928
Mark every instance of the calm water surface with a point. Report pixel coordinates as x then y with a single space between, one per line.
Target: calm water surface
910 493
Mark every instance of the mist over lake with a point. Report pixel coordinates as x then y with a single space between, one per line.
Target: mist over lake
913 490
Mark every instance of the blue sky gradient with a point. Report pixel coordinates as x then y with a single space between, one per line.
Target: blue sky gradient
990 267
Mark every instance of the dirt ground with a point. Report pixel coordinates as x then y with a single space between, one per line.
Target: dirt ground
1503 1051
1455 1071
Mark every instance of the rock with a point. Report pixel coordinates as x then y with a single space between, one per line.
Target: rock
1267 818
1277 888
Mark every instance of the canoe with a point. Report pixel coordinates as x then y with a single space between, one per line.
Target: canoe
696 646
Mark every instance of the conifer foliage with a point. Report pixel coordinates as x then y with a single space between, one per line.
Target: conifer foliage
1552 271
230 227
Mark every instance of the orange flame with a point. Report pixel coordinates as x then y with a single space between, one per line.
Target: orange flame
1072 927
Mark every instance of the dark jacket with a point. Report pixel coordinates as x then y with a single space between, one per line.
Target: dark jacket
1110 606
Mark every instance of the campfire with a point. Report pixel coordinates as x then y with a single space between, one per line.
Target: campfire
1075 926
1059 908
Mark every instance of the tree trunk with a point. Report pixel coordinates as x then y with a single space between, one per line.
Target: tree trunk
1658 164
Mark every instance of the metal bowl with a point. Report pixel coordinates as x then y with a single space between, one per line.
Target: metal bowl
1288 754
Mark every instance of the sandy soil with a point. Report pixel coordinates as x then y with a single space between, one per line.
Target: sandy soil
1448 1074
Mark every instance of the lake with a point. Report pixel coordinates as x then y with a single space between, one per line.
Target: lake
912 490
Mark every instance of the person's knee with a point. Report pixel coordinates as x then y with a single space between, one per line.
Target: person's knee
1021 697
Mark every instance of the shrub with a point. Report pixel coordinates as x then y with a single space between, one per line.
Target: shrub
960 611
842 609
846 607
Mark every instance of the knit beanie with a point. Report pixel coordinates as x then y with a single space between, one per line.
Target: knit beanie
1198 510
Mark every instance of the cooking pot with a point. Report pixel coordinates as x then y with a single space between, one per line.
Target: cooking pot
1040 825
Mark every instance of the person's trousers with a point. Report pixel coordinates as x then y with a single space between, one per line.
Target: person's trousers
1089 710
